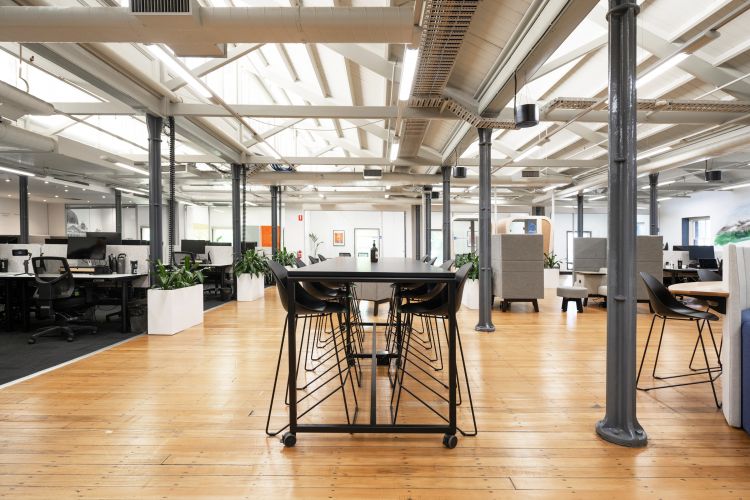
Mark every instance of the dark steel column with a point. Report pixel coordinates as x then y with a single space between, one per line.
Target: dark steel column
23 209
446 213
653 206
579 199
427 199
274 221
154 124
485 212
620 425
280 219
118 211
236 205
418 232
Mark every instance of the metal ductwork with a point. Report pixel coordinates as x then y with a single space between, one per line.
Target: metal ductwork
15 103
208 27
14 137
444 26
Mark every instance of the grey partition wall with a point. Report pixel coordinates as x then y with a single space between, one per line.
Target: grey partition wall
648 258
589 254
518 268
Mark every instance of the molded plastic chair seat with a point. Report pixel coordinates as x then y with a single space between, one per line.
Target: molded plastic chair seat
305 303
666 305
438 305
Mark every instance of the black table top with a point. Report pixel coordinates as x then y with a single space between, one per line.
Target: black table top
389 270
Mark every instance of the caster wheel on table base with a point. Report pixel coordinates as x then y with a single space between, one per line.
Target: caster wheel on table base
289 439
450 441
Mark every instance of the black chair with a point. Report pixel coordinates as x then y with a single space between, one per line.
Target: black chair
435 308
432 261
178 258
708 275
321 258
667 307
55 294
313 260
425 258
314 313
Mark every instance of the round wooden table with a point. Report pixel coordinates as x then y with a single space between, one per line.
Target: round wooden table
700 289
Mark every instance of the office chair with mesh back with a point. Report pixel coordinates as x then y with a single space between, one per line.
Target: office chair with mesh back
55 293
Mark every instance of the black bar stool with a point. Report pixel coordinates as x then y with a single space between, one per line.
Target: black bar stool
308 308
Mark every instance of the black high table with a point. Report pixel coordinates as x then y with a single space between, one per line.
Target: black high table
389 270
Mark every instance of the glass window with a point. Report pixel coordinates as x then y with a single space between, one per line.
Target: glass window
700 231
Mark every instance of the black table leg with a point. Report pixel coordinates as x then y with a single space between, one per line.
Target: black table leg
8 305
24 305
289 438
452 360
124 317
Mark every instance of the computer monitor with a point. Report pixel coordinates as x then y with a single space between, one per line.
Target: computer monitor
87 248
135 242
55 241
680 248
9 238
111 237
249 245
197 247
698 252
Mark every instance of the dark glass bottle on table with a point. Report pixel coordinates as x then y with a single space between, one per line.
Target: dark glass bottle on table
374 253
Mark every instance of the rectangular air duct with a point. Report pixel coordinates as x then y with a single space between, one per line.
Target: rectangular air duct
160 6
530 173
373 173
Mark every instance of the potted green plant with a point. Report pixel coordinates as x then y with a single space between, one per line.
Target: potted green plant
471 288
285 258
551 270
175 302
315 243
250 269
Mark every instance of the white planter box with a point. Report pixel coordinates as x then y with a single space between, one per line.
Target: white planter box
551 278
171 311
470 298
249 287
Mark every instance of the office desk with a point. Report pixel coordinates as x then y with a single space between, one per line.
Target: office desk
388 270
125 282
685 274
221 268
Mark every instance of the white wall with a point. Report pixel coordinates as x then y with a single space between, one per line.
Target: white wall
723 207
322 223
10 217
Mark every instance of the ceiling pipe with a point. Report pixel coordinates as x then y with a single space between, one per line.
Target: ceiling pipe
15 103
16 137
209 25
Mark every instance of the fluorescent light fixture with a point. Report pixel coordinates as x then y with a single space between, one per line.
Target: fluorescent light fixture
665 183
133 191
551 187
394 151
131 168
736 186
408 70
251 204
661 68
595 198
17 172
531 150
653 152
203 167
167 57
664 199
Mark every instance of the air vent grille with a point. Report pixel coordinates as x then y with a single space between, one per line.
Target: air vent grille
160 6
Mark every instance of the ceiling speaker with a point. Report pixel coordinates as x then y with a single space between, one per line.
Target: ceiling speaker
713 175
527 115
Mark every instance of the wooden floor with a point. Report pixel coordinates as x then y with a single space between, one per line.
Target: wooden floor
183 417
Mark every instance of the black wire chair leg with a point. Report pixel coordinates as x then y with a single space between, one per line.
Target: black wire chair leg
645 351
275 381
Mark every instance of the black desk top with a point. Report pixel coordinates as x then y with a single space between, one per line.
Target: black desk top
389 270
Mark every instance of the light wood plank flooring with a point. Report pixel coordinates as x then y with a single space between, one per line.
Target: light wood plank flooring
182 417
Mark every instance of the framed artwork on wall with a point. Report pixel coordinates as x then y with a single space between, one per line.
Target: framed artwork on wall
339 239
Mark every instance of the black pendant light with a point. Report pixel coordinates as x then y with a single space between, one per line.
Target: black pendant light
526 115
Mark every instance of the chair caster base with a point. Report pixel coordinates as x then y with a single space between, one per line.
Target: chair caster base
289 439
450 441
